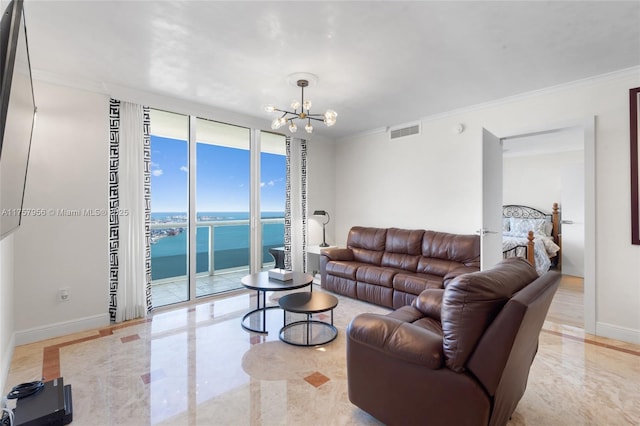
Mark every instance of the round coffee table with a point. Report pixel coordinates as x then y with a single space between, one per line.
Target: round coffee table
308 332
256 319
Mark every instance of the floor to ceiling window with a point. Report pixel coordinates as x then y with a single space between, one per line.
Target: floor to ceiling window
169 207
222 204
219 195
273 163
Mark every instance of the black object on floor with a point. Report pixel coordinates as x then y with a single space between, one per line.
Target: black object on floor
51 406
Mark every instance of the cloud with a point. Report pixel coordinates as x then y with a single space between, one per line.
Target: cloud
157 172
184 169
154 164
272 182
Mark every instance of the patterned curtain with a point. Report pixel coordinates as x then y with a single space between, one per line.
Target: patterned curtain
295 215
129 211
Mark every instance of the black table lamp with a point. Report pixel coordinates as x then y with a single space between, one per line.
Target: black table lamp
324 234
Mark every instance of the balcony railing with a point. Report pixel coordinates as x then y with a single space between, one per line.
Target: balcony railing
231 256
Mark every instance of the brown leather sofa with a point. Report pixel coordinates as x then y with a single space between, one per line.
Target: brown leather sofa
391 267
458 356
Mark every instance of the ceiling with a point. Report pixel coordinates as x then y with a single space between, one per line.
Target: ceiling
379 63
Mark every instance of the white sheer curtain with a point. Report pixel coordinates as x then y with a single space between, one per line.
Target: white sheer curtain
131 285
295 234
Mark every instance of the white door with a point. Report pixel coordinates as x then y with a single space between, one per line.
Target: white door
491 232
572 215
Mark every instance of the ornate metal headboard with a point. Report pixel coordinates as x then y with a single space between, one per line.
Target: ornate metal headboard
524 212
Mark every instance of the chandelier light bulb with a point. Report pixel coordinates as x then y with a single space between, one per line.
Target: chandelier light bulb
307 105
308 128
269 108
295 104
330 117
275 124
292 127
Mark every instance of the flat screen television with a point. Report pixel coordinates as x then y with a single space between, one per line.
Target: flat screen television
17 115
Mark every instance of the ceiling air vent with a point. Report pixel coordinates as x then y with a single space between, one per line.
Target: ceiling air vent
404 130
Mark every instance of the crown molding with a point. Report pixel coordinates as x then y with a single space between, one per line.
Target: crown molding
626 72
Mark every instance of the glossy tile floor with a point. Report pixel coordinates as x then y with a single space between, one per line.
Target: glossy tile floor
195 365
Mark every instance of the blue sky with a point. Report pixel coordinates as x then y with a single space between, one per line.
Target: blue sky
222 180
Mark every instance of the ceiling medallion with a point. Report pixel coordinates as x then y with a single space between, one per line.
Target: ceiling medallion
301 108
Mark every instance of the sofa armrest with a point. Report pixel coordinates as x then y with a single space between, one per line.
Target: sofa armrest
337 253
457 272
398 339
429 302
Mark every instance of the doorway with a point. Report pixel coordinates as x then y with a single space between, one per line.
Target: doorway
585 130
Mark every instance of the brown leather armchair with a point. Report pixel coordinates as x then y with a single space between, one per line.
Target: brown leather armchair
458 356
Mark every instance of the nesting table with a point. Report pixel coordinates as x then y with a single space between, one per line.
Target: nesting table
308 332
256 319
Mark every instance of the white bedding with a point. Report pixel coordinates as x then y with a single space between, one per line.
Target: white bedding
543 249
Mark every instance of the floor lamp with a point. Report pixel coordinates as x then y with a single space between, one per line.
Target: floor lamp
324 234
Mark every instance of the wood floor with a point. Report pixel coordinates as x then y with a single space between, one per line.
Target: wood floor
567 306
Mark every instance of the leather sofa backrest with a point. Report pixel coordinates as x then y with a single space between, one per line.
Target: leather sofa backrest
503 356
403 248
443 252
472 301
367 244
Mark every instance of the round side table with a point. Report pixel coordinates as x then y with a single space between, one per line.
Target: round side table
308 332
256 319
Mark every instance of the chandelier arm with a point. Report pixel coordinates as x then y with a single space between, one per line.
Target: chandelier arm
314 118
285 112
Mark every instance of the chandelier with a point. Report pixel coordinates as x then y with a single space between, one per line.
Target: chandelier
301 111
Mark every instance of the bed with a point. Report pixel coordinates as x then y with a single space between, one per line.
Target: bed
533 234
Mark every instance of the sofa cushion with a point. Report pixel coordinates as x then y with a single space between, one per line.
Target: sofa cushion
416 283
405 262
464 249
399 339
376 275
343 269
404 241
471 302
435 266
367 244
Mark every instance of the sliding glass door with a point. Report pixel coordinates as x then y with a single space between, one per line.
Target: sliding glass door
222 205
169 207
203 173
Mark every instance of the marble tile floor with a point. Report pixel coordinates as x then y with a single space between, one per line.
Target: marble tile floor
195 365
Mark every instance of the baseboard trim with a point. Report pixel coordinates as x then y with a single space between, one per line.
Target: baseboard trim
619 333
7 356
61 328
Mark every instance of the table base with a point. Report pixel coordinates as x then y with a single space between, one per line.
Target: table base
308 333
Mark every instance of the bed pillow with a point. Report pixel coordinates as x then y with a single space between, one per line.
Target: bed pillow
521 227
506 224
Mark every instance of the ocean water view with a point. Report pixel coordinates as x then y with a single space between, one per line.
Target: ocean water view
230 241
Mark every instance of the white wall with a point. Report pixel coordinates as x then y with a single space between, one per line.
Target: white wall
68 169
320 187
432 180
536 180
428 181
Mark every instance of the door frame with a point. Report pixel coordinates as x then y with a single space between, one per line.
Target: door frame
587 124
